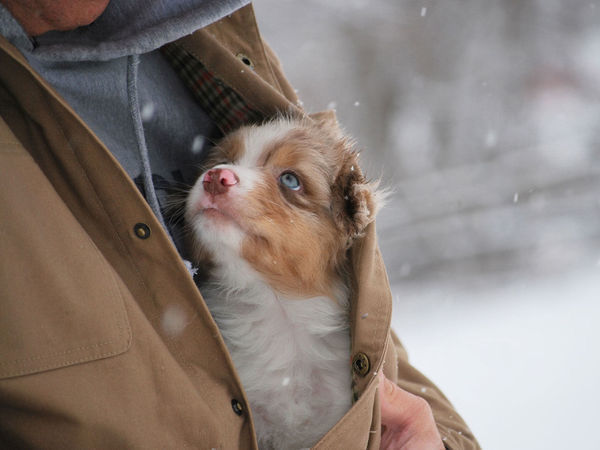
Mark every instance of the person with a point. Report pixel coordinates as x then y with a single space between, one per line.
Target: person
105 341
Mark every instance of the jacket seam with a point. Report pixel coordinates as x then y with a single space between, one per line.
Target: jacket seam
262 49
51 355
383 311
11 374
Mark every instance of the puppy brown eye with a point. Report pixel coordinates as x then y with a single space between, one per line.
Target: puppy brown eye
290 181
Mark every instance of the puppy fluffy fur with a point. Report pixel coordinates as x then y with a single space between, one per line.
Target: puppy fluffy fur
273 218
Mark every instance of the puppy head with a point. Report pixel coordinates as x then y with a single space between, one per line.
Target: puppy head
286 197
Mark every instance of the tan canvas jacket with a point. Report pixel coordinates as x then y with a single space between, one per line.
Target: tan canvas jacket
84 361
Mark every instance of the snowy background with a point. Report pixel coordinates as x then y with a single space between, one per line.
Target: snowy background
484 117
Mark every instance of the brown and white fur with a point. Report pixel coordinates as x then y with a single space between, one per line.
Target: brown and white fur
277 252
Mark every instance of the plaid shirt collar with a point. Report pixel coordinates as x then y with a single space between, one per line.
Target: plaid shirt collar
224 106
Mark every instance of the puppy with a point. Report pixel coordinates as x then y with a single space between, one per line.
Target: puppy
273 218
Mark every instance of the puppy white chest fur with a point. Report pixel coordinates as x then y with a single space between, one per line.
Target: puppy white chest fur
292 358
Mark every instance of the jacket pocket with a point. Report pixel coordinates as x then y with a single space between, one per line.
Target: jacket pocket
61 302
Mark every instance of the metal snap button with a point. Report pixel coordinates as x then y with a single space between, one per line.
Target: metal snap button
361 364
243 58
141 230
237 407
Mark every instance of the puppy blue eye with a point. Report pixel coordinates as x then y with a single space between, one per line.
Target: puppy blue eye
290 181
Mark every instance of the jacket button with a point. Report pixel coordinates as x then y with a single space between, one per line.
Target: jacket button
141 230
361 364
237 407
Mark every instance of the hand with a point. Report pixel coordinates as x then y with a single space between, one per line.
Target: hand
406 420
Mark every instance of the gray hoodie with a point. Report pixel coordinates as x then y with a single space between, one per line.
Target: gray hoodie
113 75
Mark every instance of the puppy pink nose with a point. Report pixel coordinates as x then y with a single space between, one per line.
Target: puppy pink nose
218 181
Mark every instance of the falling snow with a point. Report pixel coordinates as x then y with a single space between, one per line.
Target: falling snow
174 320
423 11
197 144
147 111
491 140
191 269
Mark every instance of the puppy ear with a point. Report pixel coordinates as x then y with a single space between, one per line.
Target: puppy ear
355 200
328 119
